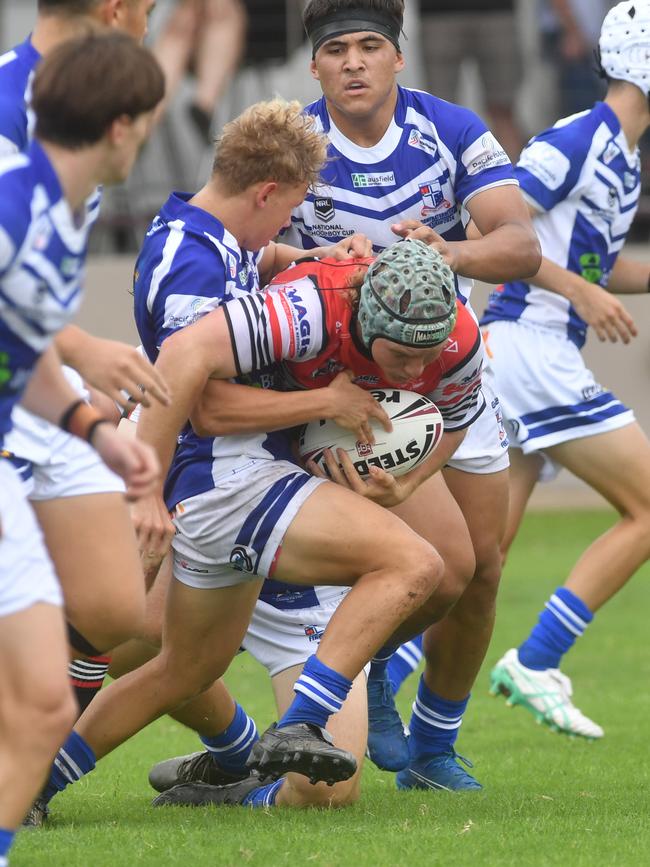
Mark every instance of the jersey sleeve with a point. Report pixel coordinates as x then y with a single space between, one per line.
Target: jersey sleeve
15 215
550 166
283 322
193 286
481 162
458 395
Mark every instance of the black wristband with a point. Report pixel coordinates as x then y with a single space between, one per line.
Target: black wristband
93 427
64 421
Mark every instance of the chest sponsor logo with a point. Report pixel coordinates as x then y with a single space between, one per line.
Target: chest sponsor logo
591 267
377 179
417 140
324 209
433 198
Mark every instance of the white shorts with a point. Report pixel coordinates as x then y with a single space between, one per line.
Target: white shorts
233 533
548 394
279 638
485 447
26 572
54 464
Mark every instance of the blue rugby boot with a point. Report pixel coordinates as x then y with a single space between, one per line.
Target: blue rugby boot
387 744
443 772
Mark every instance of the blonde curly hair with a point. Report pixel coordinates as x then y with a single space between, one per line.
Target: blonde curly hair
270 141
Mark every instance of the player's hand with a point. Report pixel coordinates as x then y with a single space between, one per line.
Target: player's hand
380 487
353 408
154 529
603 311
355 246
115 368
134 461
419 232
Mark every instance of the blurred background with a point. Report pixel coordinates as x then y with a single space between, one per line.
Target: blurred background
520 64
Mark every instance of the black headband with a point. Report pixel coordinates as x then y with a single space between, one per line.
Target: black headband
353 21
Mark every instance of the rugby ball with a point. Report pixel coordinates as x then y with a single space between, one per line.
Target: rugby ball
417 429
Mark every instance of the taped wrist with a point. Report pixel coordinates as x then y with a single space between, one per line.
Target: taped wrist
81 420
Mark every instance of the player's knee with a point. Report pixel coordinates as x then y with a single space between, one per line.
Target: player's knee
422 569
182 679
46 714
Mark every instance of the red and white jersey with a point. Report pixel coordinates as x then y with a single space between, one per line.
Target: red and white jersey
306 319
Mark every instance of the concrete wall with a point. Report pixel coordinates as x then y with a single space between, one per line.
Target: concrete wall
107 311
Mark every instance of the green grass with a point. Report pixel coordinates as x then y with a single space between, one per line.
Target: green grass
548 800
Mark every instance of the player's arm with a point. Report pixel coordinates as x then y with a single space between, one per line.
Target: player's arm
226 408
278 256
629 277
504 245
49 395
112 367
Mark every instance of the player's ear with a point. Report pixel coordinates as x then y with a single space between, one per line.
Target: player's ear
264 191
400 63
314 70
109 11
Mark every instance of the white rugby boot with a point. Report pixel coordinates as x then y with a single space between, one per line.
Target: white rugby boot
546 694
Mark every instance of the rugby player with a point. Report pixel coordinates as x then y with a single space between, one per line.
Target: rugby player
86 134
242 509
581 180
65 481
402 157
403 327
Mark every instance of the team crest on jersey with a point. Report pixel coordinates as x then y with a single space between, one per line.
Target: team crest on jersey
433 198
417 140
324 209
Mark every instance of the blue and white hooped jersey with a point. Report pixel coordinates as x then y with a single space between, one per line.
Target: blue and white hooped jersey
434 157
16 73
584 181
190 264
42 257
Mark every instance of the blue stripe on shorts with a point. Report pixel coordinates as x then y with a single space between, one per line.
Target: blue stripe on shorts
558 418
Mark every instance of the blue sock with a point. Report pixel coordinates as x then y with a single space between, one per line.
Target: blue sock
6 839
264 796
404 661
563 620
231 748
73 761
320 692
434 723
380 660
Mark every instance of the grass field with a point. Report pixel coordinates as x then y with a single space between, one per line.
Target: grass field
548 799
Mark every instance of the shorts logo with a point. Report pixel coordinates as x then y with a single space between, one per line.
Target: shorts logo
314 633
240 559
592 391
380 179
324 209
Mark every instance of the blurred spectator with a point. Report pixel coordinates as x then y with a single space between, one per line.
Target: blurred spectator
456 30
206 38
570 30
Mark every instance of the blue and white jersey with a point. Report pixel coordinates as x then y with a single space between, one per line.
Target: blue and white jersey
16 73
432 160
190 264
42 257
584 181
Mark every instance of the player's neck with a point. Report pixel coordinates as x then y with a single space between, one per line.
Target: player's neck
365 131
77 172
51 30
631 108
227 209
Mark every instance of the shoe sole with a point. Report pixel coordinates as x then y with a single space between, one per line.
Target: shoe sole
502 684
271 765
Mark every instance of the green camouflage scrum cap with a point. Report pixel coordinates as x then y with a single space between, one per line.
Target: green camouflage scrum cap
408 296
